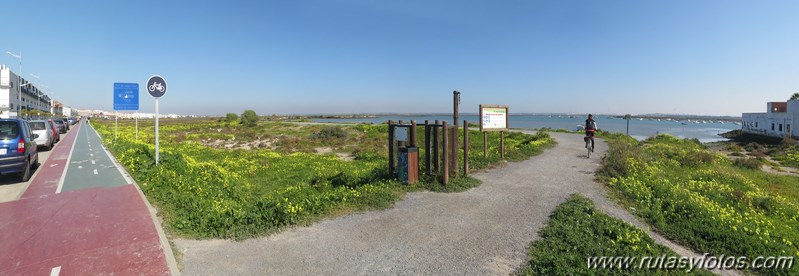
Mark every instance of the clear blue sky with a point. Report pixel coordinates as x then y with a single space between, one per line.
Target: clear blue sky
365 56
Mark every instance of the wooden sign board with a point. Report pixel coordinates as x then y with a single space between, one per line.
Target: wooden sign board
493 117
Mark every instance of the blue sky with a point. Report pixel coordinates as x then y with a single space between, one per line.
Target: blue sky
366 56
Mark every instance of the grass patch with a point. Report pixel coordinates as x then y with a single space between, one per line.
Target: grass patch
719 206
577 231
206 190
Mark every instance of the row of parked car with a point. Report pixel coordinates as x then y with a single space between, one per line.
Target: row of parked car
20 140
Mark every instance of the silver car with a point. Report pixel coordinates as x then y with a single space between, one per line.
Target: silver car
45 132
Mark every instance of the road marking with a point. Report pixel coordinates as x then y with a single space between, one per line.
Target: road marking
95 171
55 271
91 154
92 162
90 149
64 173
114 160
80 167
53 165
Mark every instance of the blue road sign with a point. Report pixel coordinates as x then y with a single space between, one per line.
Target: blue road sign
126 96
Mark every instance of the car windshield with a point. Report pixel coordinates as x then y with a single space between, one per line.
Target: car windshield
58 121
37 126
9 130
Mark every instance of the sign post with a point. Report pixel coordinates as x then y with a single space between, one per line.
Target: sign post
126 97
494 118
156 86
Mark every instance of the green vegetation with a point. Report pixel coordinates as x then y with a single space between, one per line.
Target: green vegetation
216 180
577 231
232 118
704 200
249 118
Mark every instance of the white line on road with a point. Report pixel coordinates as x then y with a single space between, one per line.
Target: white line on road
55 271
95 171
91 154
90 149
80 167
92 162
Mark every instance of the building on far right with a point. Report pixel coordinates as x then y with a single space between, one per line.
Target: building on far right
779 120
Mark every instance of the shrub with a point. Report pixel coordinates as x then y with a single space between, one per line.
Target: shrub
333 132
249 118
697 158
748 163
621 159
231 118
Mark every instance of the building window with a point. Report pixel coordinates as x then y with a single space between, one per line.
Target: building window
772 126
755 124
780 127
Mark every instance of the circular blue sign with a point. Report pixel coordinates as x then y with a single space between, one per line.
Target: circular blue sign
156 86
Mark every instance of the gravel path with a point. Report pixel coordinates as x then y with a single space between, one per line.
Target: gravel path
483 231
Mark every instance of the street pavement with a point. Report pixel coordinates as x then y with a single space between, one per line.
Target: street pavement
80 215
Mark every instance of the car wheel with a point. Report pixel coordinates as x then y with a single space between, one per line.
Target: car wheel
36 163
26 174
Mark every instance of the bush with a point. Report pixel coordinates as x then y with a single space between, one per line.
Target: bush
748 163
249 118
620 160
231 118
697 158
330 133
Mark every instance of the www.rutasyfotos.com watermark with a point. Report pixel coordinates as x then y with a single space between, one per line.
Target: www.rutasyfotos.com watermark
688 264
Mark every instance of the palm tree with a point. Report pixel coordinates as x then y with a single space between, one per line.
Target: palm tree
795 96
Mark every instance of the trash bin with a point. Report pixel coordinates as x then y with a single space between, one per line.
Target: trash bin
408 165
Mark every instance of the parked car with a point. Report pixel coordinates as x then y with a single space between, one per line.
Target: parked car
56 135
45 132
18 153
73 121
66 123
60 124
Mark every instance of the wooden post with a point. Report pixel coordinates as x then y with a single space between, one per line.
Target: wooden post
453 154
413 133
435 147
445 150
485 144
428 155
465 148
390 147
456 99
501 145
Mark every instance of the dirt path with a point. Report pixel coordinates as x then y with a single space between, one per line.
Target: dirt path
483 231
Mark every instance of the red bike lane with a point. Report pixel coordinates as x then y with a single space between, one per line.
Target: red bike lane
82 232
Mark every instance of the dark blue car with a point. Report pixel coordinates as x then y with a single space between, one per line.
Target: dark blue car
18 153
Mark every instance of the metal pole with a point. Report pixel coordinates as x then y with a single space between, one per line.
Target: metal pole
137 125
157 155
116 125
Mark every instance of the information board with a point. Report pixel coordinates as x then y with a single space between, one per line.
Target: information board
493 117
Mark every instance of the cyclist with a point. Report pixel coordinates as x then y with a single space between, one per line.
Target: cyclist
590 128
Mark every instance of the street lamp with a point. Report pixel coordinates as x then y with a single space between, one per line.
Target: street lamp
39 92
19 95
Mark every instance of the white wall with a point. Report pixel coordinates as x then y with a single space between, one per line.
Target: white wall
761 123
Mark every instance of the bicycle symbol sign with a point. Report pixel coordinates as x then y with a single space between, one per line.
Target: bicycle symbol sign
156 86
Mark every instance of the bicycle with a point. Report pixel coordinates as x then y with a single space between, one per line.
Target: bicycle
156 86
588 146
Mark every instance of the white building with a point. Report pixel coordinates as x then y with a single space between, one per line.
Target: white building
10 89
779 121
67 111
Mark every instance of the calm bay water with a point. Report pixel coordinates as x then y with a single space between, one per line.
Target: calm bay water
640 129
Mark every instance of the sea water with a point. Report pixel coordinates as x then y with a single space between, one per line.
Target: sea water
704 131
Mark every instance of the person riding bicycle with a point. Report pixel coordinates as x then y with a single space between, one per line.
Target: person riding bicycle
590 128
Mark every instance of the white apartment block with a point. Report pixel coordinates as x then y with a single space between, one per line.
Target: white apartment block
10 89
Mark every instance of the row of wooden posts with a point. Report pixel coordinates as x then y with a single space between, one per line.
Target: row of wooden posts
440 148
